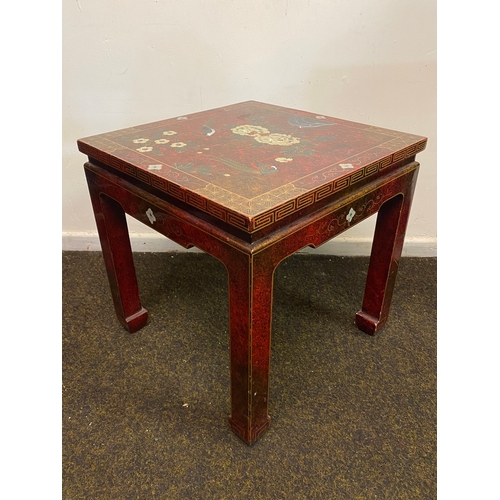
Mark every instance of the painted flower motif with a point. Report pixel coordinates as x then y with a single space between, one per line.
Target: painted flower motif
155 167
182 118
162 141
140 141
169 132
277 139
284 160
251 130
346 165
321 117
144 149
178 145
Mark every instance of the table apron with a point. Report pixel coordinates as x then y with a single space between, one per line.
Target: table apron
312 230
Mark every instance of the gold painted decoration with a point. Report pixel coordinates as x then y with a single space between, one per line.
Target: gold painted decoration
251 130
295 160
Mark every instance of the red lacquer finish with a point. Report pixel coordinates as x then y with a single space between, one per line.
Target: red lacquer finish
251 184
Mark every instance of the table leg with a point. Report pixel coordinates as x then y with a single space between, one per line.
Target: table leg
387 245
118 259
250 304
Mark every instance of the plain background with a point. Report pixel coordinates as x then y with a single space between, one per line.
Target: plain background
468 270
127 62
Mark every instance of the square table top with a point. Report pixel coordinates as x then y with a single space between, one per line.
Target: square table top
251 164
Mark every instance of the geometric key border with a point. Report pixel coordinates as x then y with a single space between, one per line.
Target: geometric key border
251 224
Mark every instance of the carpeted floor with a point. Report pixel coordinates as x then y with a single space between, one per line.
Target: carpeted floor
145 415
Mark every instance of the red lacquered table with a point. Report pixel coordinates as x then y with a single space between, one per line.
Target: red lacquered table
251 184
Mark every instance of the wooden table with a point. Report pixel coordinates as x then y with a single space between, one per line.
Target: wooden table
251 184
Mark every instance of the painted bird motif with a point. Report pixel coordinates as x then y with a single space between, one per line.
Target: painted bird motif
306 122
207 131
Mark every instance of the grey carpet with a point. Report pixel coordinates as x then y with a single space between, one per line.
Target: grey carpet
145 415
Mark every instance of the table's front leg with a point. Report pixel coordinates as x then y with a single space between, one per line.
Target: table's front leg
118 259
386 251
250 304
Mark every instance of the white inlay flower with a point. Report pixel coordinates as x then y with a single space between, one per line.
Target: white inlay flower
140 141
321 117
251 130
351 214
151 215
169 132
346 165
178 145
284 160
182 118
277 139
144 149
155 167
162 141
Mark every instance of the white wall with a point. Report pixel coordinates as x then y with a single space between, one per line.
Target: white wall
129 62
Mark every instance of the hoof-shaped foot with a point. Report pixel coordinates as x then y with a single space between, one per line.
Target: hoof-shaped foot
136 321
247 434
369 324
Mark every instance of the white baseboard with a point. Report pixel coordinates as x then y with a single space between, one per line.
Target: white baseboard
155 242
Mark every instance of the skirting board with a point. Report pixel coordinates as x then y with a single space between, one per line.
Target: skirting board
349 247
